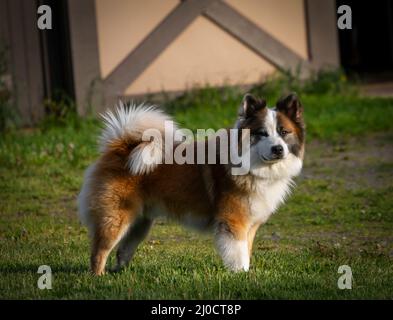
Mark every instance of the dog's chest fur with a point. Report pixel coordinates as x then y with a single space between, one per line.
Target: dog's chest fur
265 198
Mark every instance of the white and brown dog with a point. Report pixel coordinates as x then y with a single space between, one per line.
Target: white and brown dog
122 194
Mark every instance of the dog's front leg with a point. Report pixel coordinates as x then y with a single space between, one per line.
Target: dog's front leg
232 246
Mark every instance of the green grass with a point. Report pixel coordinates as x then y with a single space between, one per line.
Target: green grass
340 213
327 116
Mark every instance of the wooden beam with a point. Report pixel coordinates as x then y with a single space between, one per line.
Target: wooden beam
35 75
255 37
27 78
85 59
4 21
5 37
322 33
17 61
153 45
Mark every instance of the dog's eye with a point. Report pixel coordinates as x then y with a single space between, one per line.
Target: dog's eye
262 133
284 132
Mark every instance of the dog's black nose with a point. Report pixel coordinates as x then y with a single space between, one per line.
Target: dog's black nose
278 150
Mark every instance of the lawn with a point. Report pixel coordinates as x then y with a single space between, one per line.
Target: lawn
341 213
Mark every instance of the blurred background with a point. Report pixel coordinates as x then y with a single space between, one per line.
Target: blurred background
98 51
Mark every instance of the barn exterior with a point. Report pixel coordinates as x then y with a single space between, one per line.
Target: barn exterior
98 50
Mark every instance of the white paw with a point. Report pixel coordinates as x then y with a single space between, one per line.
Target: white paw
238 265
234 253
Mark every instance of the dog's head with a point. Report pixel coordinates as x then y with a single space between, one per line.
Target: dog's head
276 135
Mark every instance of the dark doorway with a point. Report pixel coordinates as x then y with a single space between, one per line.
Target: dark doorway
367 49
56 52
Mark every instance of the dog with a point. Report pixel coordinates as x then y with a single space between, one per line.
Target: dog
122 194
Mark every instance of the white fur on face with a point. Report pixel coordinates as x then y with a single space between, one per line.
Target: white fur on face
265 144
285 168
261 152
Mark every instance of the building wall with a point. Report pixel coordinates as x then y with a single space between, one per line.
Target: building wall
203 53
24 75
103 33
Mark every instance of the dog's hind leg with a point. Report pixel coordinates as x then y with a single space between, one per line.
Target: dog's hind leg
136 233
111 224
105 237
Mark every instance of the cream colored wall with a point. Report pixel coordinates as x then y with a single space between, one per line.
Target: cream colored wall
203 53
283 19
122 24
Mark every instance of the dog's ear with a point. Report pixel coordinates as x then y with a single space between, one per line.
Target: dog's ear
290 105
250 105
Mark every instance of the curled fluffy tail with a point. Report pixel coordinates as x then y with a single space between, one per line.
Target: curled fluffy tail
137 132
